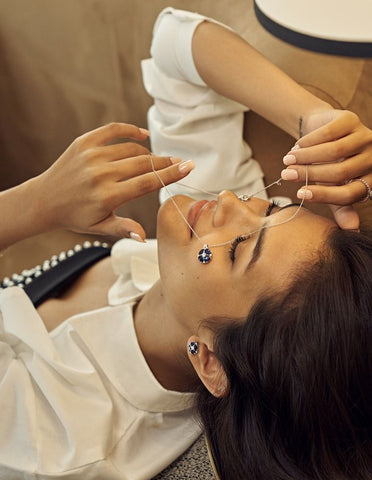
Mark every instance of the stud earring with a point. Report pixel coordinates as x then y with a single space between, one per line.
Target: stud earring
193 348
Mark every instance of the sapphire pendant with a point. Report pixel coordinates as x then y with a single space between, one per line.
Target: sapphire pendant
205 255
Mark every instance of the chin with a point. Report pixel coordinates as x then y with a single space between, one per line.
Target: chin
169 222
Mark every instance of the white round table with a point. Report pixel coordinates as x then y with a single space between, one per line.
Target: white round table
338 27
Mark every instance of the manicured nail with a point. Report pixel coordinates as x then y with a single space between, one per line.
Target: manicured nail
289 159
306 194
295 147
289 174
186 167
175 160
136 237
144 131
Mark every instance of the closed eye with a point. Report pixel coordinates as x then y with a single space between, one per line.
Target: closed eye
241 238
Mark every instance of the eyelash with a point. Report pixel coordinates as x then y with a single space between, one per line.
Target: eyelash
241 238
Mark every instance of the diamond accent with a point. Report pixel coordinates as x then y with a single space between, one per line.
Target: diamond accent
205 255
193 348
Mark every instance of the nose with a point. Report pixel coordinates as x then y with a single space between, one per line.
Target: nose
230 207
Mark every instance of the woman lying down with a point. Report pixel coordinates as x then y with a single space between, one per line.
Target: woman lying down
258 315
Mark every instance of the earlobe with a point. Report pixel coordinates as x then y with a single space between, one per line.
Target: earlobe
208 367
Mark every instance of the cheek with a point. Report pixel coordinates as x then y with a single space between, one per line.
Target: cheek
195 292
179 271
187 284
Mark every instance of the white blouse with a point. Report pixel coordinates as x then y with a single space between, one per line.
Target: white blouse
81 401
191 121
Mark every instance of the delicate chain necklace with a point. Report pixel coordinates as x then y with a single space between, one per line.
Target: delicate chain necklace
205 254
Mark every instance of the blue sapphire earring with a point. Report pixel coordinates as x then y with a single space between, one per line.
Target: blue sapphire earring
193 348
205 255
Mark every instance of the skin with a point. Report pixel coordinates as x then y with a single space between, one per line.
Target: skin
189 292
86 184
335 146
93 177
223 287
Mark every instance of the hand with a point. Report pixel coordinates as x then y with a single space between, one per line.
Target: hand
337 149
81 190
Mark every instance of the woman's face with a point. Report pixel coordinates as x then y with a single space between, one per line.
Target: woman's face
229 285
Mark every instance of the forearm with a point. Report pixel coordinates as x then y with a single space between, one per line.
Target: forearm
82 189
19 214
229 65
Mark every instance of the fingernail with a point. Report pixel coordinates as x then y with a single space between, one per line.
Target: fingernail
306 194
289 174
175 160
136 237
144 131
295 147
289 159
186 167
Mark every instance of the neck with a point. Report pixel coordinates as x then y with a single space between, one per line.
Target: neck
163 342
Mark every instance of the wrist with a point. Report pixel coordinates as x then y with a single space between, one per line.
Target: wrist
310 118
37 207
20 214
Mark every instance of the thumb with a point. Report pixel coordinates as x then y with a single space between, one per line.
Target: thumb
120 227
346 217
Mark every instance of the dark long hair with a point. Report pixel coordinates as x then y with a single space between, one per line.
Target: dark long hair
299 404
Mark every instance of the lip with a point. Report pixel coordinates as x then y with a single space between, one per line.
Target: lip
195 212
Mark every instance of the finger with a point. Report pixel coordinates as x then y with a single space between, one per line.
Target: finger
135 166
149 182
122 150
120 227
334 194
346 217
107 133
336 172
327 152
334 129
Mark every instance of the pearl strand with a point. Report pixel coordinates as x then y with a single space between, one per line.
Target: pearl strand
28 275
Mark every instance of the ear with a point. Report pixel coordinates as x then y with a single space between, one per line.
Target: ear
208 368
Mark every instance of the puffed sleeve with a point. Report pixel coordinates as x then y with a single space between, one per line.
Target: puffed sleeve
175 59
191 121
50 397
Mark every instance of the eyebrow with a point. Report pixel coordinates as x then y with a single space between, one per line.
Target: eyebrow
257 248
259 243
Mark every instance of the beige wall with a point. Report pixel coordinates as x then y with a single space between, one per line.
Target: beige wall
69 66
